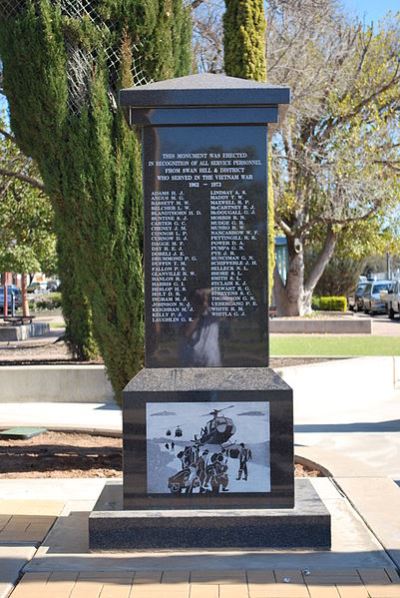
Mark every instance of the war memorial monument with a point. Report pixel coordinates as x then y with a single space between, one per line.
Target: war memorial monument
207 425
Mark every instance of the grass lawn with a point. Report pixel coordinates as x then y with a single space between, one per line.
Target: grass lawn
56 325
316 345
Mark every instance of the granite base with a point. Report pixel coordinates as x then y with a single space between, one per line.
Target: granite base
178 391
308 525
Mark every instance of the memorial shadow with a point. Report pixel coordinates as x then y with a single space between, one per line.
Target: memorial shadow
107 407
24 529
51 457
10 567
384 426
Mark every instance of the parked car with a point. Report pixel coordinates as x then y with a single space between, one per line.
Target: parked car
355 301
393 300
37 287
386 295
52 285
373 303
16 291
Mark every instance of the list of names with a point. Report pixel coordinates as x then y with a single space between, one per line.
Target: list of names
198 192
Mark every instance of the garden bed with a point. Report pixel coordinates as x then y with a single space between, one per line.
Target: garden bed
72 455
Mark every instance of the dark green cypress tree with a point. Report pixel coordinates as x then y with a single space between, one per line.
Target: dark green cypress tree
89 158
182 39
245 57
244 39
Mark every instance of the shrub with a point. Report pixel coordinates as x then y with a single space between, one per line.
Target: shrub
315 303
330 303
52 301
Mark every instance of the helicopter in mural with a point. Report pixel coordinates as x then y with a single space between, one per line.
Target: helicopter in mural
219 429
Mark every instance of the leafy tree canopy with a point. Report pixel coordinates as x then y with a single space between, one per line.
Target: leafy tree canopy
27 240
337 159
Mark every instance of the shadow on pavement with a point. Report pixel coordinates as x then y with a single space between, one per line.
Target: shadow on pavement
385 426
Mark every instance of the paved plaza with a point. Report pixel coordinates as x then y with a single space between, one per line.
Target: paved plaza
351 583
44 522
43 545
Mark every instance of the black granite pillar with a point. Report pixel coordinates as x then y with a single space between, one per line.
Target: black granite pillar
205 253
206 424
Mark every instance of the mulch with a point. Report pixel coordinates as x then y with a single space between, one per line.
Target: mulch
72 455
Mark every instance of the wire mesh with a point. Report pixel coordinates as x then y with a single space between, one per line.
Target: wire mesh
79 70
81 63
11 8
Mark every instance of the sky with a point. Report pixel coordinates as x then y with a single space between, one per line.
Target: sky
372 10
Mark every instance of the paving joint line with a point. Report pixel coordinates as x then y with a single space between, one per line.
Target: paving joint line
36 545
365 521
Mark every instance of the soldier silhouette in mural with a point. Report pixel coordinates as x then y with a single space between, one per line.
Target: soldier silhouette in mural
244 456
219 478
201 469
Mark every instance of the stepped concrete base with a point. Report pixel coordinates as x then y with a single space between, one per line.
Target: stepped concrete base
305 526
24 331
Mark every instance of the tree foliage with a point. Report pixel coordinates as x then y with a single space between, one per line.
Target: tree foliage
337 156
88 158
244 39
355 244
244 56
27 240
329 62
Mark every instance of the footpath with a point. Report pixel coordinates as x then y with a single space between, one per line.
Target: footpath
43 522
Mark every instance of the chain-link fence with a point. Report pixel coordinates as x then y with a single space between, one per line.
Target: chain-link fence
81 61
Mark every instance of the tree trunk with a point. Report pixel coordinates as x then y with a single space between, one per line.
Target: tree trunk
294 298
24 292
7 281
322 260
290 297
75 306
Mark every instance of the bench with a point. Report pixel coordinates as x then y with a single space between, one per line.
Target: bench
17 320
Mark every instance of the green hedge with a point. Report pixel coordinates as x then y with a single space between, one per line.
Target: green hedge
52 301
329 303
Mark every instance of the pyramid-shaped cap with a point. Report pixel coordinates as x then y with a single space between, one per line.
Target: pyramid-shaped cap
205 90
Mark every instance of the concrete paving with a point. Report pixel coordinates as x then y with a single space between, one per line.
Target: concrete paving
369 434
358 444
103 418
383 326
66 546
378 500
59 490
280 583
12 560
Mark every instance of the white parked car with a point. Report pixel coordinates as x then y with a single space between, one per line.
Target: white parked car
373 303
393 300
